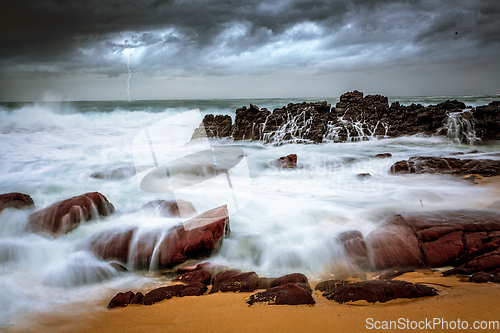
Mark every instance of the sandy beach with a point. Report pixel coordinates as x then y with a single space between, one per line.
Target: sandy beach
227 312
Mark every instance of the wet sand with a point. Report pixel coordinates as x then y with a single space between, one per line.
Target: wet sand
228 312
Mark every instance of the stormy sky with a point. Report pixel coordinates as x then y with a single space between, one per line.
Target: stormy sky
83 50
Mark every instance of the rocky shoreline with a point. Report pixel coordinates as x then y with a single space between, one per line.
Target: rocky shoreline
354 118
467 241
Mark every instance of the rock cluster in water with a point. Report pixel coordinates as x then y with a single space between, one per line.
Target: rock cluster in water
468 240
355 117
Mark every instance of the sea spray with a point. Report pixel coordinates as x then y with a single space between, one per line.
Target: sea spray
290 224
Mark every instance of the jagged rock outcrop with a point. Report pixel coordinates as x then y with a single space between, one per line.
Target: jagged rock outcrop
219 126
487 120
356 117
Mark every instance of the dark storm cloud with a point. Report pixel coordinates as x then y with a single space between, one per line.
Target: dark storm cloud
227 37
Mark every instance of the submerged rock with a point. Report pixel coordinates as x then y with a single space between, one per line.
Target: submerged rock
288 162
66 215
171 208
196 238
379 291
355 247
15 200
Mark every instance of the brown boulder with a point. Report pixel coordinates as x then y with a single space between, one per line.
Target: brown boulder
329 285
235 281
137 298
194 289
355 247
199 276
66 215
447 165
287 294
15 200
297 278
159 294
481 277
121 300
394 244
288 162
379 291
196 238
112 244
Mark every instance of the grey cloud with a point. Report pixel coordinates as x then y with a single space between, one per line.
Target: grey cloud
226 37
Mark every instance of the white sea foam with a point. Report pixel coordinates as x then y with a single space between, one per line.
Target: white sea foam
290 224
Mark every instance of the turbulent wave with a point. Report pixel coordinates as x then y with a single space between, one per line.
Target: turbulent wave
49 151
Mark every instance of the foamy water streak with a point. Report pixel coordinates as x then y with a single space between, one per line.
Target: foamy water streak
49 151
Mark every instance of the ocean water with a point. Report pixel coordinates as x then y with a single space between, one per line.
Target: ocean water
288 223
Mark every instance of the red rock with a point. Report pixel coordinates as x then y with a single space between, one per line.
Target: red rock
199 276
159 294
196 238
394 244
379 291
329 285
121 300
297 278
194 289
287 294
64 216
444 250
481 277
485 262
112 244
15 200
172 208
235 281
137 298
355 247
288 162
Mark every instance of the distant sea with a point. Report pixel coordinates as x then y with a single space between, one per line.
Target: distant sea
49 150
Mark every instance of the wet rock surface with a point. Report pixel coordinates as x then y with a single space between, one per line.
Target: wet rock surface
466 239
196 238
171 208
355 117
159 294
15 200
66 215
379 291
121 300
286 294
442 165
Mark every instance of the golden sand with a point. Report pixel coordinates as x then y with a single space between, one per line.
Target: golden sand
227 312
